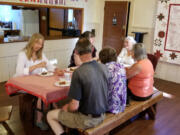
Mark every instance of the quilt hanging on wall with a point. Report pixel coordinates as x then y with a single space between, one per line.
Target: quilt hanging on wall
167 31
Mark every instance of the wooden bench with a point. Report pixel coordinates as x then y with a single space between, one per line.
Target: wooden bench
112 121
5 114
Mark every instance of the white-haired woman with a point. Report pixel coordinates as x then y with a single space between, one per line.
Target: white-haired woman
125 55
140 75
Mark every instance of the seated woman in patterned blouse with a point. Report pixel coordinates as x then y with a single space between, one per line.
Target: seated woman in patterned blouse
117 80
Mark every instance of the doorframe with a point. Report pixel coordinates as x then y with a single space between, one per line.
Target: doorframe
129 10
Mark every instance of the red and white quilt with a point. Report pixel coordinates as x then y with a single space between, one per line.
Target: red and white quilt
167 31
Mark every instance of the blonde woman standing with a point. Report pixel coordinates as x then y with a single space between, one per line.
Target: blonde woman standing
32 60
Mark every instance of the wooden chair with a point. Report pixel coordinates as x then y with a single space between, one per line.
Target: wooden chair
5 114
154 60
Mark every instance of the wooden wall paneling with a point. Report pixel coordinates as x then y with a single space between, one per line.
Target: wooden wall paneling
56 20
43 24
65 18
78 17
48 22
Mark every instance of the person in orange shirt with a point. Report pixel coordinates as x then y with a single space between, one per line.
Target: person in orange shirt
140 75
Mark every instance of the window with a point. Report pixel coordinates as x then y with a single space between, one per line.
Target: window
70 15
18 23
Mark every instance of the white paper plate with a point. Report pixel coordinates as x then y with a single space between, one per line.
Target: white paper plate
48 74
62 85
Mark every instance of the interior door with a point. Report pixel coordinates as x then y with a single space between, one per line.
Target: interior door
115 24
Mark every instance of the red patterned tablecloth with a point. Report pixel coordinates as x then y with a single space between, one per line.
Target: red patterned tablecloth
41 87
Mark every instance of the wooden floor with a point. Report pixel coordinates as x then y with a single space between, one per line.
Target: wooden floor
167 119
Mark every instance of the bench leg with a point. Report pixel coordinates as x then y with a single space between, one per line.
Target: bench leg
155 106
152 112
142 114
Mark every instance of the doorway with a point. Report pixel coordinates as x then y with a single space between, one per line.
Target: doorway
116 14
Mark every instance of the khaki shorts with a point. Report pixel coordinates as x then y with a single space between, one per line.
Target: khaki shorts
79 120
